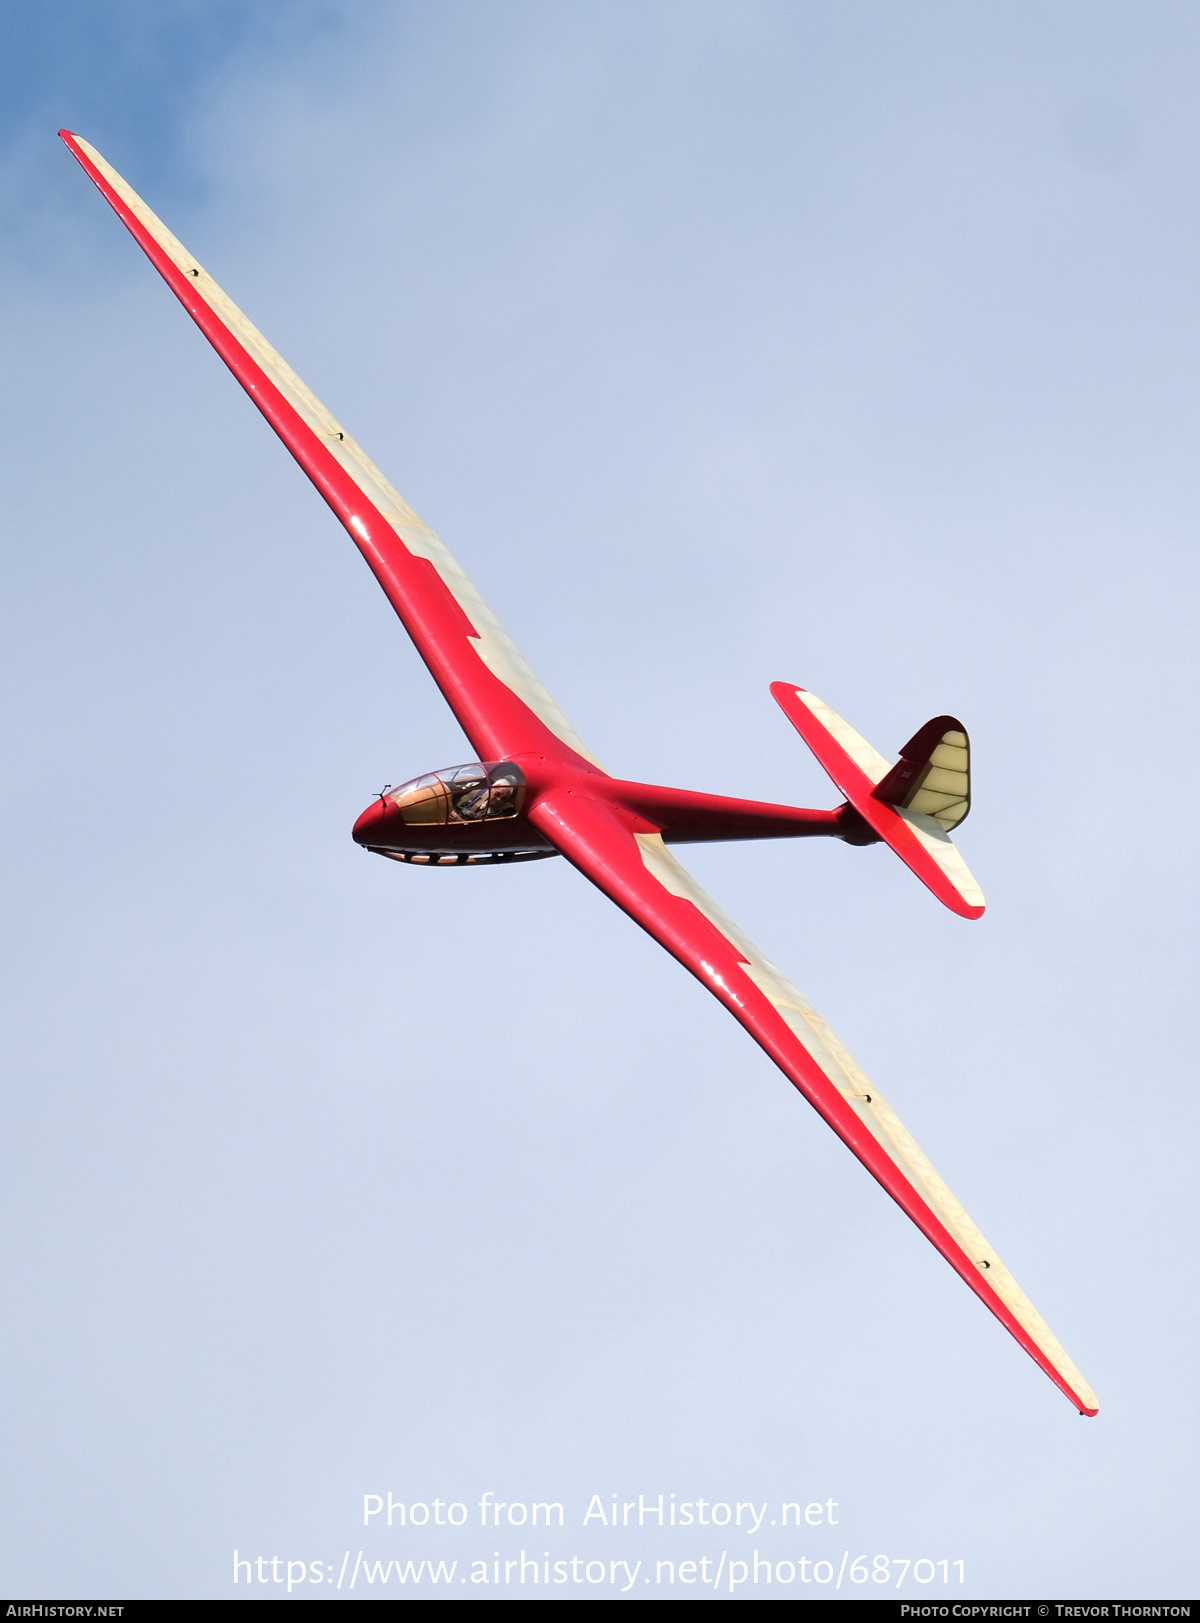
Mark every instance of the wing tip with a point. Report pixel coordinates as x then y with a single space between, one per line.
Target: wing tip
1077 1389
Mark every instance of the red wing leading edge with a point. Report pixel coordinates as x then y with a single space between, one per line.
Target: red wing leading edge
535 791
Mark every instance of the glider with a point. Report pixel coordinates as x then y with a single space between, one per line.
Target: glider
535 791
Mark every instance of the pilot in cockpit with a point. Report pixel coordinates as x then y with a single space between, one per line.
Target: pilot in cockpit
472 804
486 798
503 798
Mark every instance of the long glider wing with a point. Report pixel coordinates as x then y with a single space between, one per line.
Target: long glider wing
636 871
502 707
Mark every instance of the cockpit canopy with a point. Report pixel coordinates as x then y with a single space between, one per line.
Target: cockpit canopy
480 792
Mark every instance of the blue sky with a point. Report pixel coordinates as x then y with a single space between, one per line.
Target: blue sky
849 344
134 72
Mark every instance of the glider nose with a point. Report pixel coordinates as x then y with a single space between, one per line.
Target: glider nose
375 823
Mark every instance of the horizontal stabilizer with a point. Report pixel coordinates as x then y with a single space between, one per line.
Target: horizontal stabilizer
911 805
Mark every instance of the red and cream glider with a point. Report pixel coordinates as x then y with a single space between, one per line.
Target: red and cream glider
535 790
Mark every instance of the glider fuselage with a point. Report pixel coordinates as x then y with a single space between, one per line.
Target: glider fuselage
477 813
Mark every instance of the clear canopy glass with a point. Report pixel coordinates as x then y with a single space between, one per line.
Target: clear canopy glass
480 792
